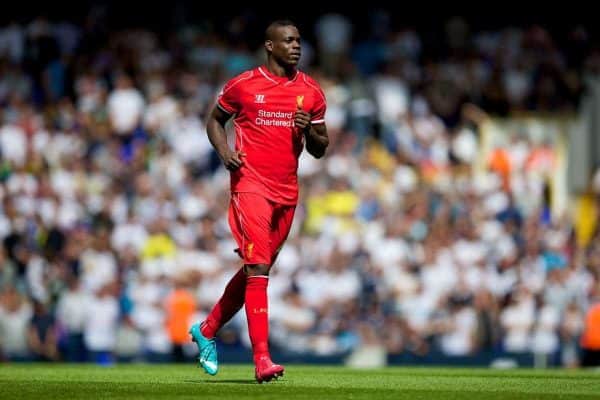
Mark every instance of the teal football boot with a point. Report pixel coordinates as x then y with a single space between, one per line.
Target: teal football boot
207 350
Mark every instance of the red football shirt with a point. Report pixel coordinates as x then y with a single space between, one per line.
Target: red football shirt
264 105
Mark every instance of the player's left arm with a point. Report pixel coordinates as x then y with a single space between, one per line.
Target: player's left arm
316 139
313 126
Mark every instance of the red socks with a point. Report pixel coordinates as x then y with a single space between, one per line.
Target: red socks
229 304
252 291
257 313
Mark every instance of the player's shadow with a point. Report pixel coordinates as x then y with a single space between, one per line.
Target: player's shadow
240 381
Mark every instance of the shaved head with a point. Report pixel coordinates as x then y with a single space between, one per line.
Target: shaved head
273 26
282 44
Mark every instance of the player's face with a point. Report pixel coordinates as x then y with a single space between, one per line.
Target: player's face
286 45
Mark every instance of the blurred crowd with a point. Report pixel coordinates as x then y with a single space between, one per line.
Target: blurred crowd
113 211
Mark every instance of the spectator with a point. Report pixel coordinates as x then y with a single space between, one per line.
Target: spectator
100 330
71 315
41 334
590 338
15 315
180 307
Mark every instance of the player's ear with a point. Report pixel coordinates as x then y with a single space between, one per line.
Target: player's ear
269 45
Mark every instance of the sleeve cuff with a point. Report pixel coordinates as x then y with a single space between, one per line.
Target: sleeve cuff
223 108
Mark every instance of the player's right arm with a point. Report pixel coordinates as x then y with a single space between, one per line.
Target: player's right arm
215 128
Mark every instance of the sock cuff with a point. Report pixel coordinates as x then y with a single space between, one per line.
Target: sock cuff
257 281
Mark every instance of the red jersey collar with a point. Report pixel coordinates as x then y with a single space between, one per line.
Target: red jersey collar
276 79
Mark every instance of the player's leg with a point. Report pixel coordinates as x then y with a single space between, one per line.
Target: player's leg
257 217
281 223
232 299
228 305
257 313
203 334
283 217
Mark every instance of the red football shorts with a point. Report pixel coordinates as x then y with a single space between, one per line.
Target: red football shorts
259 226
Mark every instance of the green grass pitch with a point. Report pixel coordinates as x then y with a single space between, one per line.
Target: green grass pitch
144 381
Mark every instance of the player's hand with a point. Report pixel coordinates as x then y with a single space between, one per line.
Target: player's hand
302 120
233 159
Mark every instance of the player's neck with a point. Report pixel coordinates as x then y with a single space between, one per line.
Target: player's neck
280 70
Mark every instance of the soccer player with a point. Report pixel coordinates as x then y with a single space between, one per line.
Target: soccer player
278 109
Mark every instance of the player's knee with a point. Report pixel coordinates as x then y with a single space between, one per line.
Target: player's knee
256 269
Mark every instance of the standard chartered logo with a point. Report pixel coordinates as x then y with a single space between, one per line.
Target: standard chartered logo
274 118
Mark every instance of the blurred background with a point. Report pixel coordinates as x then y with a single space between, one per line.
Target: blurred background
453 221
